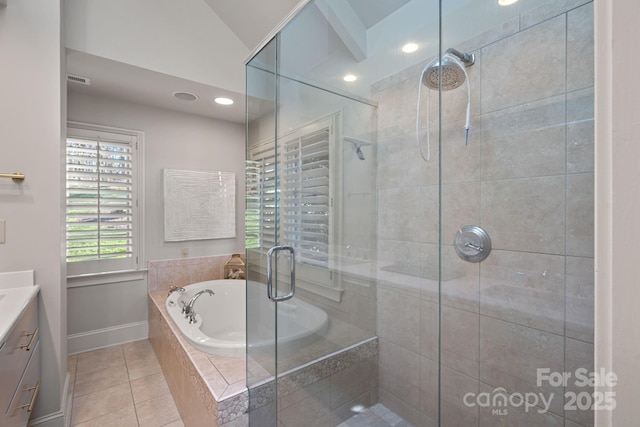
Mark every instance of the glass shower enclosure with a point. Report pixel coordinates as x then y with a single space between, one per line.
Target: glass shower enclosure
419 214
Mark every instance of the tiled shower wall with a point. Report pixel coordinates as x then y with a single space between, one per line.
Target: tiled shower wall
526 177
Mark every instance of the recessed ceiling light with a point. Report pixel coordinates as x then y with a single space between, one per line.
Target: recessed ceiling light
506 2
350 78
185 96
224 101
410 48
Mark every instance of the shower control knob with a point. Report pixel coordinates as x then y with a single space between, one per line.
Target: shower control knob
472 243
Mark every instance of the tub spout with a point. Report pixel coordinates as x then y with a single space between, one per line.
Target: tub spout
188 309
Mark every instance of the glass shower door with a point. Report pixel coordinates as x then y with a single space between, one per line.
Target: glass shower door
310 237
262 233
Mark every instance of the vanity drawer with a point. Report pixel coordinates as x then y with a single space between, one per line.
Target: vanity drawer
15 352
26 393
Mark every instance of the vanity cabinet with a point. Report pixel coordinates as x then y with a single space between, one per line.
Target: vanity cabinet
20 368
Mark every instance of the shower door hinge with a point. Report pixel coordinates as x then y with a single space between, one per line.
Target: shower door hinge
331 202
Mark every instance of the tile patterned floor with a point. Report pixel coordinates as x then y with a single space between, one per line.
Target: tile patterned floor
124 386
121 386
377 415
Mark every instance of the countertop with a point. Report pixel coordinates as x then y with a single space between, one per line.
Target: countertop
17 289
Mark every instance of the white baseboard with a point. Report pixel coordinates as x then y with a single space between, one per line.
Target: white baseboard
52 420
107 337
61 418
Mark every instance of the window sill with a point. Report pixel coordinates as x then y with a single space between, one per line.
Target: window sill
93 279
334 294
314 286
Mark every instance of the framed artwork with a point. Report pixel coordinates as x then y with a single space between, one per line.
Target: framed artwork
199 205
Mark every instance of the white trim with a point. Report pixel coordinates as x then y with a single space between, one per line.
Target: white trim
139 177
56 419
60 418
107 337
276 30
105 278
603 327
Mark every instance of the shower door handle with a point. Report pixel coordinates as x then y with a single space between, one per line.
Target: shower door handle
292 269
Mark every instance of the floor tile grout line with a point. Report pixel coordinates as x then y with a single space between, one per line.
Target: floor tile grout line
130 383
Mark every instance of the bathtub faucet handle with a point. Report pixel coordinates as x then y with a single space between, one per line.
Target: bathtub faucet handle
188 309
173 289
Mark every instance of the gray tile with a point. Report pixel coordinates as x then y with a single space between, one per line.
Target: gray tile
406 411
400 209
454 388
580 47
429 387
460 160
400 163
399 319
408 267
524 141
580 215
579 357
518 414
524 288
397 107
354 381
460 280
526 67
548 10
399 373
460 204
460 334
504 30
314 405
580 131
580 299
429 330
525 214
510 356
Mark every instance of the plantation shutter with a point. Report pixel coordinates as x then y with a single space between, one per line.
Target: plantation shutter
302 219
100 199
263 190
305 197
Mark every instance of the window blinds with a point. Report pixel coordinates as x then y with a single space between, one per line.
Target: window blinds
301 196
99 199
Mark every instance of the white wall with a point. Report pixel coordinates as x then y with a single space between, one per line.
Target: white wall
617 206
31 114
172 140
181 38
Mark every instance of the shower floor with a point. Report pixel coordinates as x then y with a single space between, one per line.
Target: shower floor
377 415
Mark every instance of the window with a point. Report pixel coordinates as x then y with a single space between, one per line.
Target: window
303 197
102 225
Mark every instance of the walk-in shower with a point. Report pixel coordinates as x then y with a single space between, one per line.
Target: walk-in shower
449 285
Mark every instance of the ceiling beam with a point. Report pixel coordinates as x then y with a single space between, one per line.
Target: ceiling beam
346 23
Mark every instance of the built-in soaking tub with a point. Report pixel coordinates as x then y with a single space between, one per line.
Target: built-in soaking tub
220 319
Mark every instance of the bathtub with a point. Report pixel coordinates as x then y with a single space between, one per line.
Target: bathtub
220 326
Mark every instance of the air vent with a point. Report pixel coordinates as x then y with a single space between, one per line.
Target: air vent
78 79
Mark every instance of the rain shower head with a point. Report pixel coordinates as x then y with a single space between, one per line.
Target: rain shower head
452 70
444 73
